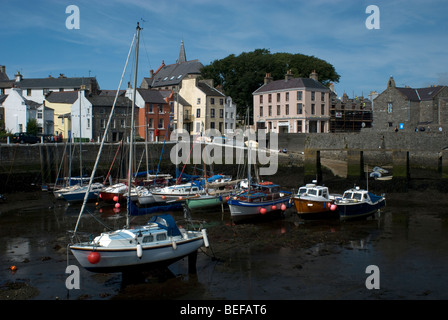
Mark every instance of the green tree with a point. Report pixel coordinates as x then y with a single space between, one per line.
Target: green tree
32 127
241 75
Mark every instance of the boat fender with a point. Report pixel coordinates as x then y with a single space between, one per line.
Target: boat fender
204 236
139 251
174 244
333 207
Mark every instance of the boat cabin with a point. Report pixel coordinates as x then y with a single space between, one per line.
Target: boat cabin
313 190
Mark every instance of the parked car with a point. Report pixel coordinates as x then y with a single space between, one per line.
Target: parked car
22 137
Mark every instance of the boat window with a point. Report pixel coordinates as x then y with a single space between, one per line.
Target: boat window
357 196
325 195
147 239
161 236
347 195
302 190
195 189
320 193
312 192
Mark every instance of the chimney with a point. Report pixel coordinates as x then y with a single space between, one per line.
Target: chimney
267 78
18 77
2 69
151 73
314 76
288 75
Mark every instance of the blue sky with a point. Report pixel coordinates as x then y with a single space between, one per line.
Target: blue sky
411 43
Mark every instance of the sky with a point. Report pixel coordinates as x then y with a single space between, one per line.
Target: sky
406 39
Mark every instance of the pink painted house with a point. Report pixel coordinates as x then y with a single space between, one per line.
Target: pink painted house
292 105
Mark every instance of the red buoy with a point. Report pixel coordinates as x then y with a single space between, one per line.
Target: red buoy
94 257
117 205
283 207
274 207
115 198
262 210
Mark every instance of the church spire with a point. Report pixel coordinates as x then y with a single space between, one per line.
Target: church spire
182 55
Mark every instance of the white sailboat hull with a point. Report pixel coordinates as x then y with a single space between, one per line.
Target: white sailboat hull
121 259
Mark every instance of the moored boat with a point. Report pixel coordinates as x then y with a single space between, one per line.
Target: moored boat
260 200
358 203
315 202
78 194
157 243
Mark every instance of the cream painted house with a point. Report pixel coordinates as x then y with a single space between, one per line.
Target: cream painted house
61 103
200 106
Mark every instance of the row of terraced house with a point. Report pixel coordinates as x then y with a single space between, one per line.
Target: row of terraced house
172 97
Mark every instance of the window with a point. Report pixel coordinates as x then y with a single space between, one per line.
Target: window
212 125
147 239
313 108
322 96
198 101
299 126
313 94
261 111
39 115
299 108
278 110
122 123
150 110
270 98
389 107
88 123
160 108
221 101
299 95
270 110
28 92
322 109
161 123
102 123
261 99
212 100
198 113
278 97
287 96
212 112
287 109
161 237
221 113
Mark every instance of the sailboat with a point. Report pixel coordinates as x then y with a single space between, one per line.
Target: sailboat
158 242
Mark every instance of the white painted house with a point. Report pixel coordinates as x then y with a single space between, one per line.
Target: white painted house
81 118
19 110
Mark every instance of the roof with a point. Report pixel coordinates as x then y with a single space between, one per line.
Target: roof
153 96
108 101
295 83
68 97
174 73
420 94
209 91
7 84
3 97
47 83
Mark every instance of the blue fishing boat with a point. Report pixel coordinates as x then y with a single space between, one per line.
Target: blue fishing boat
358 203
264 199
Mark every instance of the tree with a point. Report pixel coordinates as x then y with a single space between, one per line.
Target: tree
241 75
32 127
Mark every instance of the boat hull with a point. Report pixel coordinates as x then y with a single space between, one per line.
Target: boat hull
360 210
244 210
122 259
205 202
309 209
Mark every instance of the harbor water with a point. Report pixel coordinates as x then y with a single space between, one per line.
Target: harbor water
285 259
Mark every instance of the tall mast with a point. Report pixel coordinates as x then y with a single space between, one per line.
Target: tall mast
131 142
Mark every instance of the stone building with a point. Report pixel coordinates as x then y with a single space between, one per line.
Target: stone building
410 109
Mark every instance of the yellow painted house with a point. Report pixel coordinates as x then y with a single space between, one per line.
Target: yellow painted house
61 103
